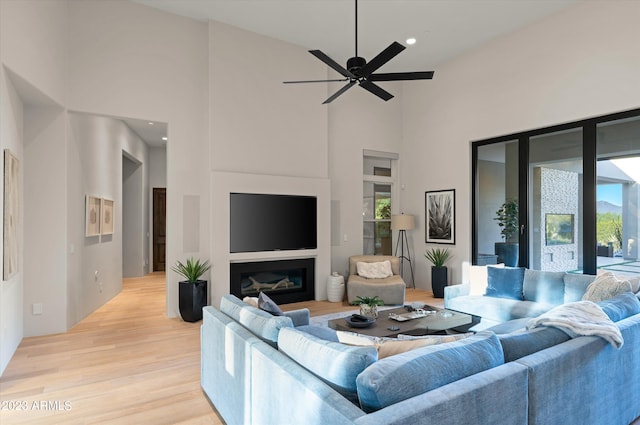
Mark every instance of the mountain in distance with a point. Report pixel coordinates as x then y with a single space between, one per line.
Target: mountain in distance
604 207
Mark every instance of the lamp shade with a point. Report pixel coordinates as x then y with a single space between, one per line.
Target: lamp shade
403 222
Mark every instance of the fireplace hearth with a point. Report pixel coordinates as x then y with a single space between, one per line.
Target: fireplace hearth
284 281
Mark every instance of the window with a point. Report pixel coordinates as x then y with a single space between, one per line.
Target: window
378 182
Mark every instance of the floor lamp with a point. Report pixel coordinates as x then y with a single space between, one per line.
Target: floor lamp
402 223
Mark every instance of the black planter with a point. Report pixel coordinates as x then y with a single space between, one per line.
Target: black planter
438 281
192 298
507 253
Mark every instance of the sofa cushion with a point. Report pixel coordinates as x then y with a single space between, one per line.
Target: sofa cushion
406 375
497 309
604 287
478 278
262 324
543 286
391 346
322 332
335 363
505 282
377 270
575 285
267 304
522 343
621 306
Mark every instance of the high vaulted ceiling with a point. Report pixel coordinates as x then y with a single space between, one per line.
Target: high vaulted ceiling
443 28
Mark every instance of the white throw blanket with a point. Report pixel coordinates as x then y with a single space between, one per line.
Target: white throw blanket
580 318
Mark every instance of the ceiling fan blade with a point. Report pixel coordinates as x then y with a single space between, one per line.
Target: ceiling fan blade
402 76
333 64
314 81
377 90
339 92
383 57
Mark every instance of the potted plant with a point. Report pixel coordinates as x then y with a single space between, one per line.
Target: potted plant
439 274
192 291
369 306
507 218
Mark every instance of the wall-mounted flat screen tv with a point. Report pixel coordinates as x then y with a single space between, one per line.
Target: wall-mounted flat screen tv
559 229
263 222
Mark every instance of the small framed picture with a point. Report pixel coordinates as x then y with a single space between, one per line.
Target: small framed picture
440 216
107 216
92 216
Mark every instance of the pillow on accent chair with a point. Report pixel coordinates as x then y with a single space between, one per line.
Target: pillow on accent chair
378 270
606 286
267 304
505 283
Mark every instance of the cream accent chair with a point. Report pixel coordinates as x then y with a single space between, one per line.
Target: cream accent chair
391 289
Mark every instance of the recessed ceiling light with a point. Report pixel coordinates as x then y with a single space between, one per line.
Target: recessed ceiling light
150 123
164 138
411 41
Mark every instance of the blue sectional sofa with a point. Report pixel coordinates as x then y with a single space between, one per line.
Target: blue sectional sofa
304 376
534 292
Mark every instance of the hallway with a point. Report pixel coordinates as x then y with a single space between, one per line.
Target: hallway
126 363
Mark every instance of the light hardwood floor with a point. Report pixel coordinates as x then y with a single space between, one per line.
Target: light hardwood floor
126 363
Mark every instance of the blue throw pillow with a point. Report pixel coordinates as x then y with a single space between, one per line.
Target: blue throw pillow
400 377
505 282
267 304
335 363
621 306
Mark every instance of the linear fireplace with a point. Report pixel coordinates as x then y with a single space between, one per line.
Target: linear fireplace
284 281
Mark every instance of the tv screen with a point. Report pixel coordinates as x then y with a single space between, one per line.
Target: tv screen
261 222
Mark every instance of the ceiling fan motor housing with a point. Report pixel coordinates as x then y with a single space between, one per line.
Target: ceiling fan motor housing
355 64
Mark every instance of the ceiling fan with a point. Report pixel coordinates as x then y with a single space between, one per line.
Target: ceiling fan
360 71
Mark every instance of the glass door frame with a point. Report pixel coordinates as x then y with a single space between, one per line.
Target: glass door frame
589 158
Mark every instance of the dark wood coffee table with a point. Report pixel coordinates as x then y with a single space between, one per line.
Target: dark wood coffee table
440 321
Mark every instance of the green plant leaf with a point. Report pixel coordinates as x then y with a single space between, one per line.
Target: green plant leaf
438 256
192 270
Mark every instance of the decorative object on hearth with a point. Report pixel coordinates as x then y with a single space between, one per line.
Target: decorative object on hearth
440 216
192 291
507 218
335 287
402 223
360 71
439 274
369 306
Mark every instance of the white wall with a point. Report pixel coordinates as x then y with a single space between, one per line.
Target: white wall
95 149
580 63
258 124
135 217
130 60
11 291
359 120
39 59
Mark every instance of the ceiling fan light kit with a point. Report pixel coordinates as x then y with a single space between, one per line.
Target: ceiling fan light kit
360 71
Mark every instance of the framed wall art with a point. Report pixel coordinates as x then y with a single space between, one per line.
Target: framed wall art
440 216
92 216
107 217
11 215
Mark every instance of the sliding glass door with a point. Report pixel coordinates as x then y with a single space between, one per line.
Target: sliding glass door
618 196
497 200
575 189
555 201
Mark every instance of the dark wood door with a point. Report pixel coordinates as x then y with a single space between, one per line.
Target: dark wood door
159 228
